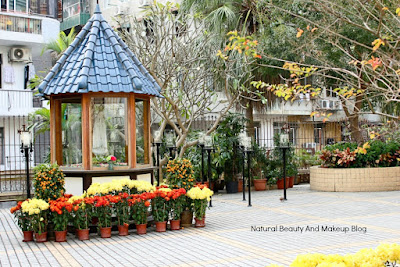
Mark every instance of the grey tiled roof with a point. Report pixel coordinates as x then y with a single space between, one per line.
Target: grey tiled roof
98 61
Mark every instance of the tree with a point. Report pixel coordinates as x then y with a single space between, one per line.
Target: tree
58 46
181 55
349 45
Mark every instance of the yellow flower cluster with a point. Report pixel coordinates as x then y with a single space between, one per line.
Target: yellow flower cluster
34 206
118 185
198 193
365 257
75 198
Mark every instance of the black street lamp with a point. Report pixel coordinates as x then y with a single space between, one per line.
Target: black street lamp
26 148
246 143
242 137
170 142
208 146
284 145
157 142
201 145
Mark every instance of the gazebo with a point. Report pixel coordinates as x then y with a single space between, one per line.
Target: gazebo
99 96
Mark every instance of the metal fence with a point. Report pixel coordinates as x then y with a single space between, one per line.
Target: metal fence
12 161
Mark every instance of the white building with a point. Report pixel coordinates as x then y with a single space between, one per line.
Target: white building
25 27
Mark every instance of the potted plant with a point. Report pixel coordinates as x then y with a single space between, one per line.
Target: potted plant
200 196
103 211
160 208
122 212
61 212
23 221
179 173
259 163
37 210
111 161
228 157
48 182
82 213
177 205
140 205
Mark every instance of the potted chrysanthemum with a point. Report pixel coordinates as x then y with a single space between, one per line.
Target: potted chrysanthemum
37 210
160 208
23 221
200 196
140 205
177 205
61 212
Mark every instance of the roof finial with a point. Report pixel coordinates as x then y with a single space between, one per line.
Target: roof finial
97 9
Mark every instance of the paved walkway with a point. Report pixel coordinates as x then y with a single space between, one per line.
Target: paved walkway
342 223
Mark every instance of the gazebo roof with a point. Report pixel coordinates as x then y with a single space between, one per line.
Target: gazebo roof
98 61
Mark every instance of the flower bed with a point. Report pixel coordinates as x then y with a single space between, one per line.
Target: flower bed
383 255
355 179
349 167
130 201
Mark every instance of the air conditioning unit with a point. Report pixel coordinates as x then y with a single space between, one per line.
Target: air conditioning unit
310 145
18 54
329 104
324 104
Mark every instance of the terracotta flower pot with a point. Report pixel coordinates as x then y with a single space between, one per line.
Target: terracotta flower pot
61 236
260 184
82 234
123 230
240 185
28 236
41 237
280 183
200 222
291 181
161 226
141 229
105 232
175 224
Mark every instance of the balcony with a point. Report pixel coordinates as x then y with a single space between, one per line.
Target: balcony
75 13
16 102
12 23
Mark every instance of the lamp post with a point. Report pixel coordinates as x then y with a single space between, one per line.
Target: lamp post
284 145
208 146
26 148
170 142
201 145
157 142
248 151
242 137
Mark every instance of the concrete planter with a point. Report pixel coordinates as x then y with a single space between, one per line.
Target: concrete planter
355 179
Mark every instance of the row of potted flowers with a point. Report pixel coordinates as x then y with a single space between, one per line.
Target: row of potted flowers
162 203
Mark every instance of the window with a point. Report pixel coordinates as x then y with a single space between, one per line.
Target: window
1 69
109 129
330 92
140 149
2 156
318 135
72 134
3 4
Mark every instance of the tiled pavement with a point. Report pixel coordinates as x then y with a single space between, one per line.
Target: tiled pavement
228 239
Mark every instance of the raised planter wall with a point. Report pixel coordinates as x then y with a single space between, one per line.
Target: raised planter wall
355 179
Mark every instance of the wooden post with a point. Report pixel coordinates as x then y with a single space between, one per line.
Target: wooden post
86 133
132 131
55 131
146 130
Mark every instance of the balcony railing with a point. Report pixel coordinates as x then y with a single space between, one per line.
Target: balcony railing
14 23
15 100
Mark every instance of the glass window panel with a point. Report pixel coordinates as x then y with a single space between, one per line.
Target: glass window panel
34 6
140 149
20 5
2 146
108 130
72 135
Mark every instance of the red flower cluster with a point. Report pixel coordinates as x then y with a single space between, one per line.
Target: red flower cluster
201 186
60 205
16 208
178 192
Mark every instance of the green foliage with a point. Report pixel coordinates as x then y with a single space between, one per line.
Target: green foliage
48 182
376 153
226 141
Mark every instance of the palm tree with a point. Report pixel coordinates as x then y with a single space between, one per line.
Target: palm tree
59 45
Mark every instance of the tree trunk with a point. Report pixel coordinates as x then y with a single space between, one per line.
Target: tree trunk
355 129
250 118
